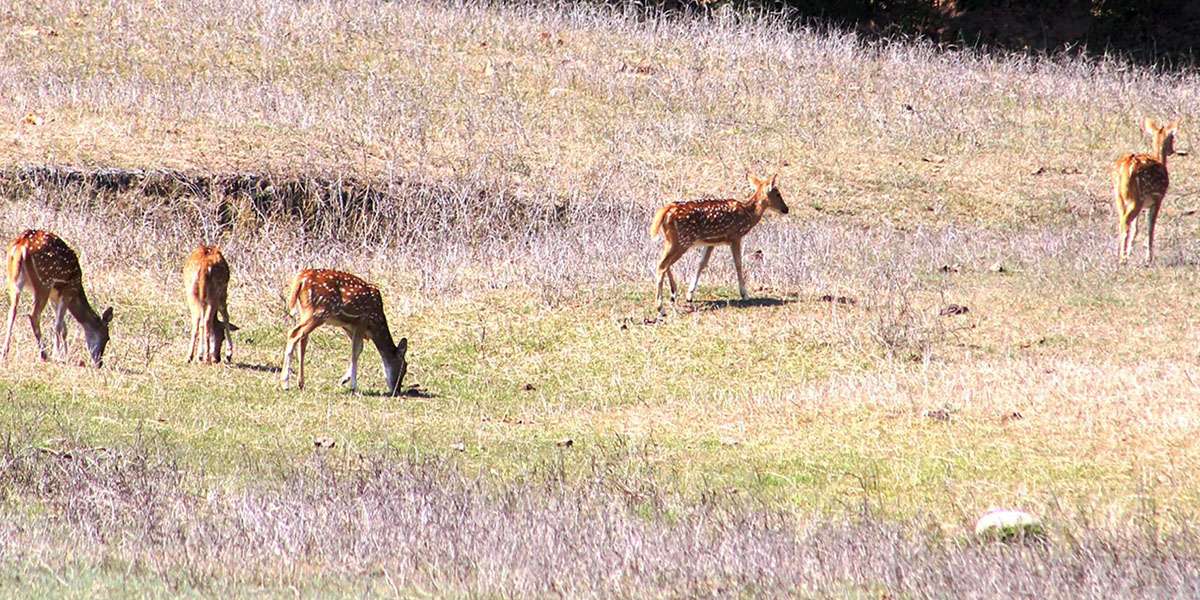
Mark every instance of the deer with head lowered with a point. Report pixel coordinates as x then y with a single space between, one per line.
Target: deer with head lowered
326 296
711 223
1139 182
45 264
206 283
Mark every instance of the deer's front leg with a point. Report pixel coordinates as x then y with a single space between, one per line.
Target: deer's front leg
736 247
60 330
1151 221
708 250
351 377
35 321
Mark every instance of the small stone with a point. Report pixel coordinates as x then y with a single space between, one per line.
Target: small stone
1005 525
324 442
997 267
458 447
565 443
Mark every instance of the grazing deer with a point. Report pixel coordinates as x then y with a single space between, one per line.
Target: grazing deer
1140 181
710 223
327 296
206 281
49 267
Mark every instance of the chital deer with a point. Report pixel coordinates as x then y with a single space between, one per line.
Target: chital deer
206 281
710 223
327 296
1140 181
44 263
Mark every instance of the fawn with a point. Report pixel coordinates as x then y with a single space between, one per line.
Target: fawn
1140 181
206 282
711 223
327 296
42 261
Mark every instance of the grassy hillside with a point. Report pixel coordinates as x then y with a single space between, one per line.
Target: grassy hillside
518 153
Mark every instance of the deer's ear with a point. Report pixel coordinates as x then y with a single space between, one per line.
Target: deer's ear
107 316
402 347
1173 127
1150 125
771 181
754 181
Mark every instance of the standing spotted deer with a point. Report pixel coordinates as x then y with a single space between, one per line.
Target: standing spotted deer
327 296
45 264
1140 181
710 223
206 281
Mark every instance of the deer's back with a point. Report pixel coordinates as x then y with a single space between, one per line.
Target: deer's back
47 258
206 273
339 297
708 221
1142 174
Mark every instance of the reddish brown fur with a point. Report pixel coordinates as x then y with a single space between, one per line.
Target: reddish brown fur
321 296
43 262
206 283
711 223
1140 181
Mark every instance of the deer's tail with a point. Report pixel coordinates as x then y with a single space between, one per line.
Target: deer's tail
16 262
199 287
656 223
294 294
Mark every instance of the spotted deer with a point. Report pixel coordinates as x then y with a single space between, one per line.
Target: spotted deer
206 283
321 296
710 223
40 261
1139 182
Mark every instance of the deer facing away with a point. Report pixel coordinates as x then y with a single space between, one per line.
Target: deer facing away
326 296
1139 182
42 262
710 223
206 283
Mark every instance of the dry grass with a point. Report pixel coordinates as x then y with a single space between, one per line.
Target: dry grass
400 526
509 238
577 103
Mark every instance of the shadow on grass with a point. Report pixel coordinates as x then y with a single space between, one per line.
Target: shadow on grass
413 391
711 305
260 368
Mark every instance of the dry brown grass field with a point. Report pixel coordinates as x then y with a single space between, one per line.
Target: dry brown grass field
836 435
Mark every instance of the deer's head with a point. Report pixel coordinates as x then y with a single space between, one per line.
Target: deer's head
765 191
1164 136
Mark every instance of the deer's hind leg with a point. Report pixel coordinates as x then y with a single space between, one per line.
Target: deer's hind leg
1127 226
671 254
14 296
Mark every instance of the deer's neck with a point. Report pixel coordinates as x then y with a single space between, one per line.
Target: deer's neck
83 312
384 343
755 207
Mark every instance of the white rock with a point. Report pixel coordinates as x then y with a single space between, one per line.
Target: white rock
1002 523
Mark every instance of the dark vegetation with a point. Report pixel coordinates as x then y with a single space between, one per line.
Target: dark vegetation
1162 32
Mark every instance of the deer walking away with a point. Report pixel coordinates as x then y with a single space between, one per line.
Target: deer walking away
1139 182
711 223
